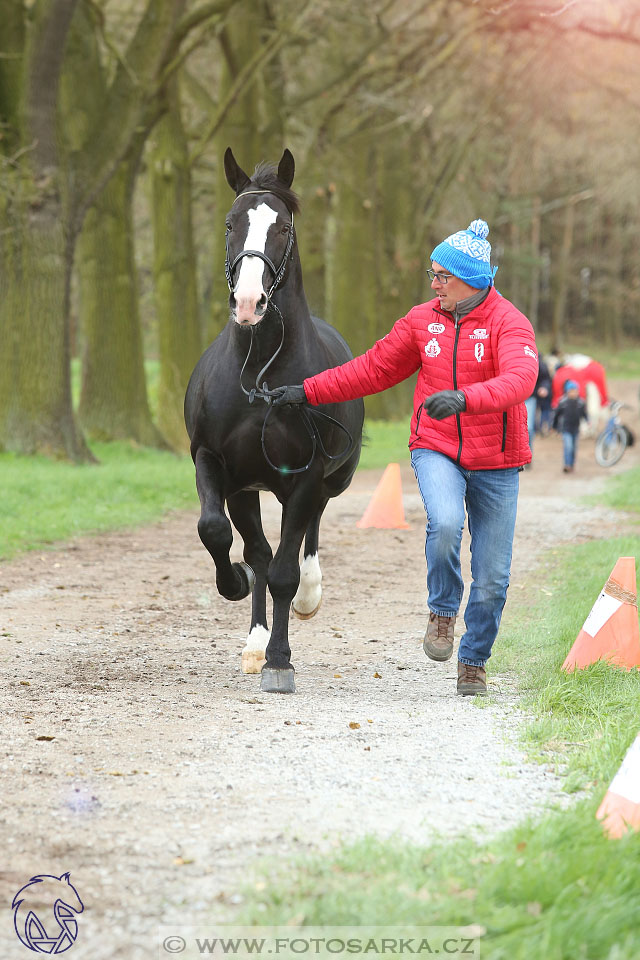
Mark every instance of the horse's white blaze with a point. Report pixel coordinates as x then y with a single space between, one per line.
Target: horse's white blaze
249 288
258 639
309 592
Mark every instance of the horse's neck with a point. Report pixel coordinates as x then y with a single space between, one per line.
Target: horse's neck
291 301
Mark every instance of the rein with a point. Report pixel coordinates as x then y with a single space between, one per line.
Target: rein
261 391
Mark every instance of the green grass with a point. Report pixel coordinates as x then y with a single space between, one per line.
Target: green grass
385 441
583 720
623 491
44 501
553 889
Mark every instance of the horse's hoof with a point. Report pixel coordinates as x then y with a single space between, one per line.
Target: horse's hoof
305 616
278 681
247 578
252 661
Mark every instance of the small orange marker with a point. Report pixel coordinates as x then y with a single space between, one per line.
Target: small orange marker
385 508
611 632
620 809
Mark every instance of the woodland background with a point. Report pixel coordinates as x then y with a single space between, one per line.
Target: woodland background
407 120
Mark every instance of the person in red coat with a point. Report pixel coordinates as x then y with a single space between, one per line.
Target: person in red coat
477 362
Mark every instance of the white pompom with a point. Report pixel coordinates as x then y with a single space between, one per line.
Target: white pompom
480 228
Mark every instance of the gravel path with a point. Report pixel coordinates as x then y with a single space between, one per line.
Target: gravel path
137 756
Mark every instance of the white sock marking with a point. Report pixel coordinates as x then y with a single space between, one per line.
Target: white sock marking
309 592
258 639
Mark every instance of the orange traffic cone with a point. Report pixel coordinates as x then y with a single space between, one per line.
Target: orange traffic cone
610 632
385 507
620 809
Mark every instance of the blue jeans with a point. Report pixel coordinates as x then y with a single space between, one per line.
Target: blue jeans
569 448
491 498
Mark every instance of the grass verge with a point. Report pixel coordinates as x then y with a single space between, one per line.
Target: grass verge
45 501
553 889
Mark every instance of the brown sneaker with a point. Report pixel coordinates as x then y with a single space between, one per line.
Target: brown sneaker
438 640
471 680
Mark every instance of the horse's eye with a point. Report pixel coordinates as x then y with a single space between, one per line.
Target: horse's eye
286 228
228 226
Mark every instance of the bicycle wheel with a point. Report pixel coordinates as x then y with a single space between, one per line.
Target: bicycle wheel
610 446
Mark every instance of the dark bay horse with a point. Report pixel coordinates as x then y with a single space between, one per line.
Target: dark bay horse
241 444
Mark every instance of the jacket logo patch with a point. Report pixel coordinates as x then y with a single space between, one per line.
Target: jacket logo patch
530 353
433 348
479 351
479 334
436 328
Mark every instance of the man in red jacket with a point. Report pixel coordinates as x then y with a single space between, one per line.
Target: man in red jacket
477 362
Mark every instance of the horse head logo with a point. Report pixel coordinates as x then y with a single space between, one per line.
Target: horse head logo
53 928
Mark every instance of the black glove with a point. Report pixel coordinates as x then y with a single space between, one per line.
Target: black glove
295 394
445 404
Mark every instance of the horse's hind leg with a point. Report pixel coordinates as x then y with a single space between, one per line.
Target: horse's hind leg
244 510
233 580
306 602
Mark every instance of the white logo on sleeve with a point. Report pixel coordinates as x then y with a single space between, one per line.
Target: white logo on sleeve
530 353
479 334
479 351
436 328
432 349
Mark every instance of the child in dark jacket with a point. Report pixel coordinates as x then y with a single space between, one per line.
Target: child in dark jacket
570 411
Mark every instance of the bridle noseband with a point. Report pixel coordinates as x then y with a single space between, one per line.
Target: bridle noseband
277 272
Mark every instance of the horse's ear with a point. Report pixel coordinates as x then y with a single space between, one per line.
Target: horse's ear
286 168
236 177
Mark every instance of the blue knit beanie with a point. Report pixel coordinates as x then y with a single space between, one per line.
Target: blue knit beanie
467 255
570 385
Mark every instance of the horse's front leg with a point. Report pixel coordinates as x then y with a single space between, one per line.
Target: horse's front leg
244 510
283 579
233 580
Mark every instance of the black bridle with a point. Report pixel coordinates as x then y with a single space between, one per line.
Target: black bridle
277 272
261 391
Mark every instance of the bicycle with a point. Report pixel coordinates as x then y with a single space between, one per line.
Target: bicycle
614 439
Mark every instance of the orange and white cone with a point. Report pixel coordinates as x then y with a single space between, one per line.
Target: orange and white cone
611 632
620 809
385 508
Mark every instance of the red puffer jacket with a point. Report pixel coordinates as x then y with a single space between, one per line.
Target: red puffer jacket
490 355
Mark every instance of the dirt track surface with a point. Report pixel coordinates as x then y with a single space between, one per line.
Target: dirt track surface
137 756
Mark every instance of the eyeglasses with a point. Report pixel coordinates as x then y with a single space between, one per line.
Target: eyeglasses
440 277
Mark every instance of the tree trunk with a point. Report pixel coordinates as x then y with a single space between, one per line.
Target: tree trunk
562 283
239 130
11 67
35 400
174 268
113 400
351 295
534 296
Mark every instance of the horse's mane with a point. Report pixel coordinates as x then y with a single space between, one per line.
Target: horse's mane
266 177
